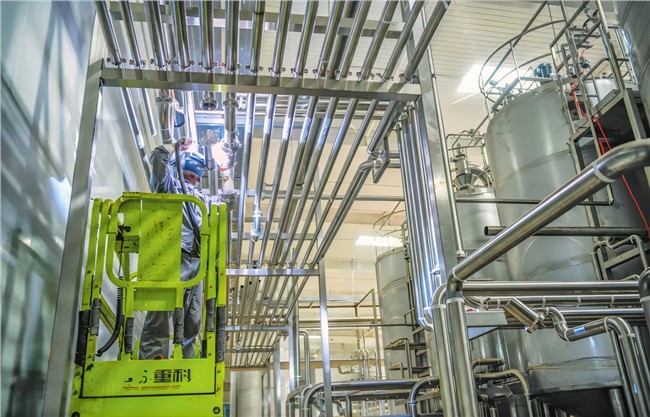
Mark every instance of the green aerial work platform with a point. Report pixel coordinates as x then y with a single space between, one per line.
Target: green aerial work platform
139 235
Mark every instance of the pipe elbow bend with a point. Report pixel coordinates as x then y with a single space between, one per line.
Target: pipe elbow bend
644 283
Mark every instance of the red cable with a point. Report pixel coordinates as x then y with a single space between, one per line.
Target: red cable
609 148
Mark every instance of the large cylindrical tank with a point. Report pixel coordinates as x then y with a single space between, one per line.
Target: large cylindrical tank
529 158
527 147
634 18
394 306
246 393
473 218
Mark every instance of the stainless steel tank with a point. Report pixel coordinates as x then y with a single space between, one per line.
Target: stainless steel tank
634 18
529 156
394 306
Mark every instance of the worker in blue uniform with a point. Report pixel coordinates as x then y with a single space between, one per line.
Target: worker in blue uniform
165 174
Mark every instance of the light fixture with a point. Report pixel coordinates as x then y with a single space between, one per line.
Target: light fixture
381 241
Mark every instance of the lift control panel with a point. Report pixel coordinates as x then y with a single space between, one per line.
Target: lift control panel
134 254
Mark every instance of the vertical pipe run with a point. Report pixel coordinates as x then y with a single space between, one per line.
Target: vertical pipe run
281 37
401 42
207 34
180 29
256 41
127 17
152 9
109 32
462 368
325 340
232 35
308 25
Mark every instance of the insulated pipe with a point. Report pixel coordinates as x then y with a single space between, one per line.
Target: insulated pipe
631 362
207 35
109 32
180 29
601 172
644 293
575 231
152 9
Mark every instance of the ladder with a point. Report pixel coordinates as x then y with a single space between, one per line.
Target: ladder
139 236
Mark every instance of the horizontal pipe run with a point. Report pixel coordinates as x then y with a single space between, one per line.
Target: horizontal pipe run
272 272
550 288
576 231
548 300
601 172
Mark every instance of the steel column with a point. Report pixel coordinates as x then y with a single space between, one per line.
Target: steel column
65 316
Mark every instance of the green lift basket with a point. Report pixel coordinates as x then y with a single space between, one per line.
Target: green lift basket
134 243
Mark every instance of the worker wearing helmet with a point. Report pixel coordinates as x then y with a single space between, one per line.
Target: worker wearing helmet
155 340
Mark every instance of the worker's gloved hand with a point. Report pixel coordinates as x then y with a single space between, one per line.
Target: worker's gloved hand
184 143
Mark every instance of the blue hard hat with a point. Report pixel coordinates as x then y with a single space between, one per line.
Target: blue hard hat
193 162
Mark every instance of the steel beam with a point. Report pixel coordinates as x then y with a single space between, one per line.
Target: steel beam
67 301
272 272
261 84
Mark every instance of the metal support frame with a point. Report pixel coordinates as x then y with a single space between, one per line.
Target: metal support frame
260 84
65 315
325 340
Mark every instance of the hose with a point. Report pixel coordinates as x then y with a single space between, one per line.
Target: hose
119 322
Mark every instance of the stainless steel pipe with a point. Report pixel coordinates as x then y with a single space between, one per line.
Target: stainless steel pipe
180 30
312 161
603 171
232 35
632 356
546 288
109 32
152 9
644 293
575 231
206 15
127 17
